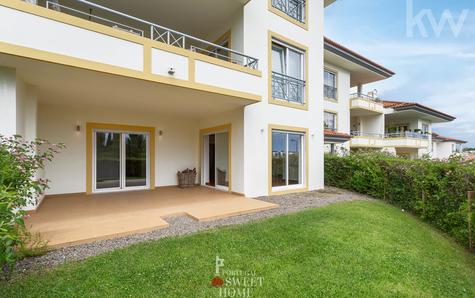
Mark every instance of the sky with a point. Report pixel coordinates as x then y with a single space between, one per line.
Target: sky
430 44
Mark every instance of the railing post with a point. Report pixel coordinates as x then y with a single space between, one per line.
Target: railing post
470 196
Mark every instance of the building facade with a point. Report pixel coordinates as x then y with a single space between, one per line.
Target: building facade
239 96
236 89
363 121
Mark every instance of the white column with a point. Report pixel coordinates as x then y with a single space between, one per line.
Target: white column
8 102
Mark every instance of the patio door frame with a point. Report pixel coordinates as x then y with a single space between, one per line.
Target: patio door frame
91 128
122 162
215 130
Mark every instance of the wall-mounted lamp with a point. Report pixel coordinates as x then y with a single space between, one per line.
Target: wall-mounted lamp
78 127
160 133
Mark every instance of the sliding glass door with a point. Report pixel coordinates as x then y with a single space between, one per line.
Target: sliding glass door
121 160
287 159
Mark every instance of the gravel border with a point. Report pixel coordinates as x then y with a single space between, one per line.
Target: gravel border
183 225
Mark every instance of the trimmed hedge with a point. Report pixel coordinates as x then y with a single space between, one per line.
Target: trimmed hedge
436 191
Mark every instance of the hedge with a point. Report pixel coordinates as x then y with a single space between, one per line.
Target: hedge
436 191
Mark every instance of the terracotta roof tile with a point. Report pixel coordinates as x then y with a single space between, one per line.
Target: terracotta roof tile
332 133
404 104
446 139
359 56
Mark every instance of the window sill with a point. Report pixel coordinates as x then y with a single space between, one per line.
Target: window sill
288 104
282 190
335 100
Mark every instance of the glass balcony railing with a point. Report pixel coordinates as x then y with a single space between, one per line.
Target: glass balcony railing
355 133
407 134
364 96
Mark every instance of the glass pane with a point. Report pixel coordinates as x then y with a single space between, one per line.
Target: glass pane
330 79
294 68
278 59
279 159
135 160
329 120
222 159
295 151
107 160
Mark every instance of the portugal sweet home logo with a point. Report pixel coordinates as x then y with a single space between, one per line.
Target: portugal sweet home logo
235 283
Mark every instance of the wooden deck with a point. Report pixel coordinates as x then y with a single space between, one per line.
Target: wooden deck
78 218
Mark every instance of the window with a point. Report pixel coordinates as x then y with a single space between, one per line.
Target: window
293 8
288 73
425 128
330 85
287 158
330 121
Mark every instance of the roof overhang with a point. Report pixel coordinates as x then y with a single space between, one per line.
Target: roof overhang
363 70
424 113
328 2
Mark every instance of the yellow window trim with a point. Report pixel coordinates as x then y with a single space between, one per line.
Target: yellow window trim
286 128
147 44
90 127
221 128
272 35
283 15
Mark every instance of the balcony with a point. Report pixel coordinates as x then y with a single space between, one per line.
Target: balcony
367 140
407 139
295 9
116 43
330 92
364 105
288 88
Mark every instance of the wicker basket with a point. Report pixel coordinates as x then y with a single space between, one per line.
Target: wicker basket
186 178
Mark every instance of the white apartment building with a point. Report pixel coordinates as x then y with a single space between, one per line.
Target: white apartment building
138 90
358 121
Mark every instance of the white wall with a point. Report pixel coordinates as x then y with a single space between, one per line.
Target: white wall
8 102
373 124
257 21
162 61
176 149
442 150
223 77
36 32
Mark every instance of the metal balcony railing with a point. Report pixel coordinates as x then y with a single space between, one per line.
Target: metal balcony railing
137 26
288 88
407 134
330 92
364 96
355 133
293 8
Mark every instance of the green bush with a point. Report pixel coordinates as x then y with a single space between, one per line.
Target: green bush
20 162
436 191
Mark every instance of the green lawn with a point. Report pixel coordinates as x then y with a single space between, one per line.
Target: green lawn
360 249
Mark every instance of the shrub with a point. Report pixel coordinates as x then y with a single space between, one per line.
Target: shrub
20 162
436 191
